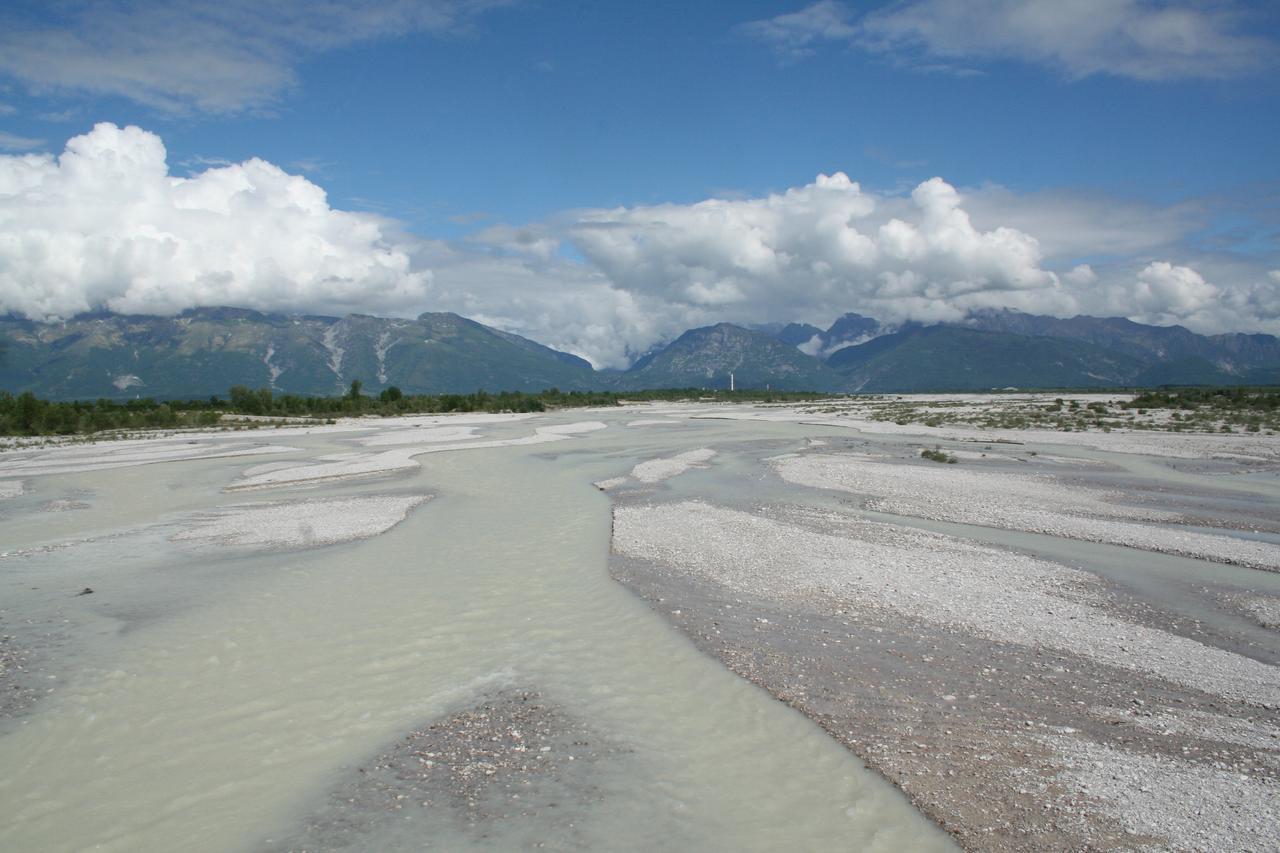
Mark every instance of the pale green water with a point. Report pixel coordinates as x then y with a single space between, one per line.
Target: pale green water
222 696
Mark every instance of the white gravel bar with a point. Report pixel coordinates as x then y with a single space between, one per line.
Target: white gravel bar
996 594
1204 808
576 428
459 418
429 429
428 435
348 466
96 456
1246 447
611 483
1264 609
10 489
1035 503
301 523
62 505
657 470
1200 724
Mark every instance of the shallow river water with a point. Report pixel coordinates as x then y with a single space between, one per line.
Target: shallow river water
208 698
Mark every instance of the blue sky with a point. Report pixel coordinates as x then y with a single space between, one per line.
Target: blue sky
517 157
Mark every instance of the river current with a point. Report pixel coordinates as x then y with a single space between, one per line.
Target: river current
208 698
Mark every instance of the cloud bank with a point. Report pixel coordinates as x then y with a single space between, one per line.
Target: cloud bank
105 225
823 240
817 251
1138 39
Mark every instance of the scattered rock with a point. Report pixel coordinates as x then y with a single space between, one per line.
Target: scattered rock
509 759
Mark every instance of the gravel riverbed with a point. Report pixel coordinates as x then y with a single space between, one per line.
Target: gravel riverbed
514 767
1021 703
299 523
1034 503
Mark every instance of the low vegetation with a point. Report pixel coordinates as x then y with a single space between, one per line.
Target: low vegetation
1221 410
1201 410
28 415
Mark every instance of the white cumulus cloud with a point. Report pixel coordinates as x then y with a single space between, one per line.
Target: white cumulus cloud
105 225
1174 291
814 252
823 248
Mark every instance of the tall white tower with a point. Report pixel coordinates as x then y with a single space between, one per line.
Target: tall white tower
730 380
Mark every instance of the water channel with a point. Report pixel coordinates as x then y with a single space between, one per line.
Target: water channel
208 700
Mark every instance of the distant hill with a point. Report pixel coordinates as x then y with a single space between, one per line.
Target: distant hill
847 330
204 351
704 358
850 329
796 334
1233 354
1200 371
1089 351
950 358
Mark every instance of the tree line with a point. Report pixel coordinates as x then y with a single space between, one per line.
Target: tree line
28 415
1231 399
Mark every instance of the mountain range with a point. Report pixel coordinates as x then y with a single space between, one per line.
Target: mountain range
204 351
